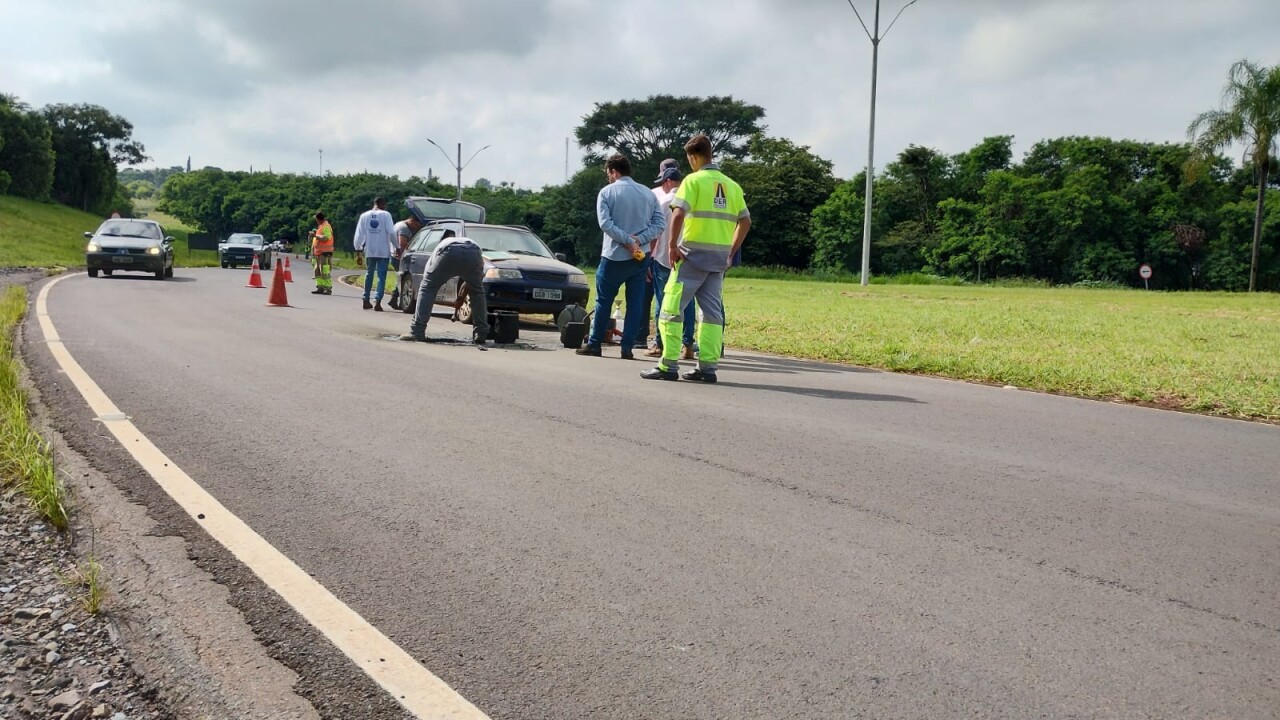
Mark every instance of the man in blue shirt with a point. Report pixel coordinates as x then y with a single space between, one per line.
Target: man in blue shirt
631 219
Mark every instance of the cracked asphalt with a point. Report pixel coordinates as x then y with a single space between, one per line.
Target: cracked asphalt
556 538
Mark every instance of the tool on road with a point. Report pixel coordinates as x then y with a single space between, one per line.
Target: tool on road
288 269
255 276
278 296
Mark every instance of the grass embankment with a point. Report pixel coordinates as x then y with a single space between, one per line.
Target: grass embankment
26 459
34 234
1209 352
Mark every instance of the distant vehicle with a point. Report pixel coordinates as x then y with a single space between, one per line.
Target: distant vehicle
242 248
129 245
521 273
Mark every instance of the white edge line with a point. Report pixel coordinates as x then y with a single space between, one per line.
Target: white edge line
408 682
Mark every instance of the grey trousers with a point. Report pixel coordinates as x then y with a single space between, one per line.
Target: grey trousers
465 263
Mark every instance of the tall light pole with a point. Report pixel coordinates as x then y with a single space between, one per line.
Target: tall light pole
321 151
875 38
459 166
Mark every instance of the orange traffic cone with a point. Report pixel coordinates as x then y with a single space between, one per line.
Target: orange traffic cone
255 276
288 270
278 297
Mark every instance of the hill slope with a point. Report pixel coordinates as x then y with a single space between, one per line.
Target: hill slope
35 234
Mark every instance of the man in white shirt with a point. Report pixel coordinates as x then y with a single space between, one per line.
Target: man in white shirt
454 257
375 237
668 181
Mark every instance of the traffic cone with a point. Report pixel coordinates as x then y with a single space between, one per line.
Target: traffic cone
288 270
255 276
278 296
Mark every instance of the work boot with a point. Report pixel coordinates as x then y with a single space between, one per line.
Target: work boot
368 305
700 375
589 350
687 353
660 373
328 291
655 351
414 337
377 307
318 291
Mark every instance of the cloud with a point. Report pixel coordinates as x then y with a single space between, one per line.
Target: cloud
236 83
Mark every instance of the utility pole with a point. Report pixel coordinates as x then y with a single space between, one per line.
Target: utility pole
459 166
566 161
321 151
875 38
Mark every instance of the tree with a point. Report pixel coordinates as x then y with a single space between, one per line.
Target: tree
88 143
783 182
26 150
1250 115
646 131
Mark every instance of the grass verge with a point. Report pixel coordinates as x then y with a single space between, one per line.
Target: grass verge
26 459
89 584
1217 353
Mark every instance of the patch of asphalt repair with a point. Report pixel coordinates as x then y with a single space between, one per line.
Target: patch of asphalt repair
201 628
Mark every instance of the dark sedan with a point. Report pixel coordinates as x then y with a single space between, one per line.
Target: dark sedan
521 274
129 245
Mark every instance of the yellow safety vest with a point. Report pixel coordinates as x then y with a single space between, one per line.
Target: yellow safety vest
713 205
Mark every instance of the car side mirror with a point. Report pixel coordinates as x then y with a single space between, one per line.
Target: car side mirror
562 257
89 235
168 239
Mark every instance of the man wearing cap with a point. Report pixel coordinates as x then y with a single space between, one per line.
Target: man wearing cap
375 237
631 220
668 180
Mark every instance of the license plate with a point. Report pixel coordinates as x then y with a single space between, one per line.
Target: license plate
545 294
122 259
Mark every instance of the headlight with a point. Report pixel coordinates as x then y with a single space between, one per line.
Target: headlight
153 250
503 274
93 247
579 279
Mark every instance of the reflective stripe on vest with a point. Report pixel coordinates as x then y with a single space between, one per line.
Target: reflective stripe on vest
323 241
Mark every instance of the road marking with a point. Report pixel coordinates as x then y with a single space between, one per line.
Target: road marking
411 684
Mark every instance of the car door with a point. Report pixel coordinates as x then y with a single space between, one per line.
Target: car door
417 254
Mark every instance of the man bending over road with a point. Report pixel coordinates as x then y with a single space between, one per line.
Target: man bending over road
454 257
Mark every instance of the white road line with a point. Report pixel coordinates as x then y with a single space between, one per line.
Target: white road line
412 685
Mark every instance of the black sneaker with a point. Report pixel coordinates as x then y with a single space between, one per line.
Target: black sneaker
318 291
628 355
701 376
659 373
590 350
368 305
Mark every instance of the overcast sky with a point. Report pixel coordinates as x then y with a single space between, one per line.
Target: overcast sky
267 83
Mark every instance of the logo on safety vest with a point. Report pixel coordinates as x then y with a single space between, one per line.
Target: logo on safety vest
721 202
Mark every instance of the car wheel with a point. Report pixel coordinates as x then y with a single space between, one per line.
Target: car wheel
408 303
107 273
168 272
160 273
93 272
464 312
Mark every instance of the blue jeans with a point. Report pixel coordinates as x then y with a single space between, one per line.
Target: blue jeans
660 276
611 275
372 265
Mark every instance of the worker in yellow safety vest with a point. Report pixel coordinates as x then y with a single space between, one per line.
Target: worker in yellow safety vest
709 221
322 255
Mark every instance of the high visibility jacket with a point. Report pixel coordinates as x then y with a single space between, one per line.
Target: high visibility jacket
713 205
322 242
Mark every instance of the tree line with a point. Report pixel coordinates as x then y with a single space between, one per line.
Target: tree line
66 153
1071 210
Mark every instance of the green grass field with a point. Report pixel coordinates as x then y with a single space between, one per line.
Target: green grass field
1209 352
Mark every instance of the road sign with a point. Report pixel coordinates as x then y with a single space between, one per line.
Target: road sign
1145 272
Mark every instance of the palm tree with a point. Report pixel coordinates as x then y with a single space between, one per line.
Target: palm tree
1250 114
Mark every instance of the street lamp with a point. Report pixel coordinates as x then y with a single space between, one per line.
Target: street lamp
459 166
875 38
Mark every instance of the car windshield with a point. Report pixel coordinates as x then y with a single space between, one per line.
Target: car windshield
512 240
246 239
130 228
436 209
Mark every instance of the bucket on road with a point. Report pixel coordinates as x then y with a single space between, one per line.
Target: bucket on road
505 326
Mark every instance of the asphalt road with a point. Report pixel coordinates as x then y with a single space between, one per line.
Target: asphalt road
557 538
